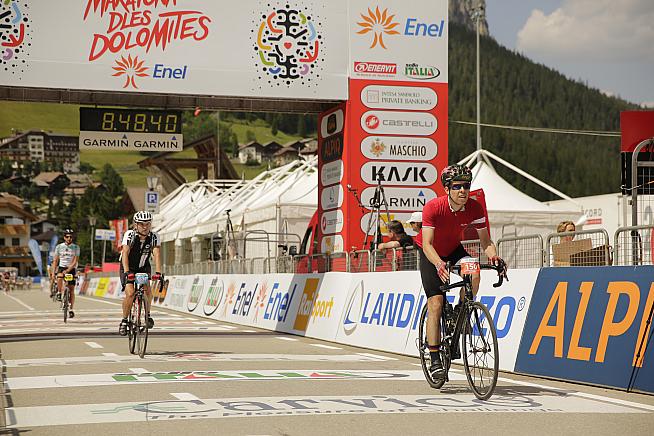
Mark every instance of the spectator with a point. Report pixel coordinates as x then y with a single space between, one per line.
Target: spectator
566 226
398 237
415 221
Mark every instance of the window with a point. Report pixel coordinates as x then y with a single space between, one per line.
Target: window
2 242
15 242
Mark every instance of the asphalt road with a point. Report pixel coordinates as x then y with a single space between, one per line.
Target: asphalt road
207 377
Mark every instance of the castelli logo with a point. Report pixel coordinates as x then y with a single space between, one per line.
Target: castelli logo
372 122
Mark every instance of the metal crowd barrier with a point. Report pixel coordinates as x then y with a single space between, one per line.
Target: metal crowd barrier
339 262
473 247
578 248
634 245
522 251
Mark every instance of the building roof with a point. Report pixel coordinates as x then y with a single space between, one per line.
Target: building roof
286 150
46 178
16 204
254 144
137 197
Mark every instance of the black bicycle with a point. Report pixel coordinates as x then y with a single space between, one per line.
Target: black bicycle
474 324
65 295
53 289
137 326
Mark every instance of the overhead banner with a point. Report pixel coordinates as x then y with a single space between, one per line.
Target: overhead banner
260 49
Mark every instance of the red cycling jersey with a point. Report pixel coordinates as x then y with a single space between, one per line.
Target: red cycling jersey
449 225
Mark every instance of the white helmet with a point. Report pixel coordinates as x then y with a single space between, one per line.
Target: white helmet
142 216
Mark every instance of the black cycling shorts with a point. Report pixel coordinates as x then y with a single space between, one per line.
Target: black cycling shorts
61 269
123 275
431 282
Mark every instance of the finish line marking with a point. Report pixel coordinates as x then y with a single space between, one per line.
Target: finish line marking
187 406
93 345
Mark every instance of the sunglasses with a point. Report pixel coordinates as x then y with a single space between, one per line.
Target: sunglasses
67 236
461 186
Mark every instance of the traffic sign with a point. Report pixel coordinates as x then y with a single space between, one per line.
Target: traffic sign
105 235
152 201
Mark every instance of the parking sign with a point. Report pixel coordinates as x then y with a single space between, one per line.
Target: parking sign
152 201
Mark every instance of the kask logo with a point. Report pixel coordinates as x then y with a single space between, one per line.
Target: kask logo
379 24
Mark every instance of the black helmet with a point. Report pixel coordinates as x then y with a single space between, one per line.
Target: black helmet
69 231
455 173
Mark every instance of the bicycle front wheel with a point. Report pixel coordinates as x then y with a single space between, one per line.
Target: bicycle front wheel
131 327
64 304
423 351
141 327
480 350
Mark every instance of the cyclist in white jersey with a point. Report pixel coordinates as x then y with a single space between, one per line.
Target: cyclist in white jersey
137 246
65 261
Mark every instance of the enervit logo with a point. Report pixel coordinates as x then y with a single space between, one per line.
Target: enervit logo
309 294
399 148
399 123
399 97
375 68
380 24
399 173
402 199
353 309
215 296
196 294
421 72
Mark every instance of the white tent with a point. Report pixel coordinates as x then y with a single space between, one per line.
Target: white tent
514 213
281 200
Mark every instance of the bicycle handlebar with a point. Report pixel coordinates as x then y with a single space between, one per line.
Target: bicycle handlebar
501 274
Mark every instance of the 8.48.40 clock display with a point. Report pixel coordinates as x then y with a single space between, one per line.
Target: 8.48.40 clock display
130 120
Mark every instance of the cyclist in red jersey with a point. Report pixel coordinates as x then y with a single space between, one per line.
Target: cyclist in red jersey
443 221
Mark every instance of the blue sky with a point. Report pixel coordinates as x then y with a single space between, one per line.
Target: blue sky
608 44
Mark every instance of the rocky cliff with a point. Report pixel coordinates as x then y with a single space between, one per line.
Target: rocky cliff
461 12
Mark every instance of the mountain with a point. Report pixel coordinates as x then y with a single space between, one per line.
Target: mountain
462 11
518 92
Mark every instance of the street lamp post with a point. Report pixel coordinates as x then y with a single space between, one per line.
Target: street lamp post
477 15
92 221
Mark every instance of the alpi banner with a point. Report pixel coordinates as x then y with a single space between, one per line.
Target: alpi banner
591 325
289 49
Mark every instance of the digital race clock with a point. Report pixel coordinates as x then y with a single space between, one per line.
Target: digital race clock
130 120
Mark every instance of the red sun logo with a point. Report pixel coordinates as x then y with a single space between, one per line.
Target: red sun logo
130 68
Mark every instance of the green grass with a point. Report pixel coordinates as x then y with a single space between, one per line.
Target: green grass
64 118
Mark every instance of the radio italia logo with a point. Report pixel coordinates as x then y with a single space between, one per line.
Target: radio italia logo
380 24
130 68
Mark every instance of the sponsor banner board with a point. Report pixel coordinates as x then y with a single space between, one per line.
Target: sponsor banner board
125 141
320 306
331 197
399 123
332 244
590 324
400 199
331 222
399 148
399 97
332 173
399 173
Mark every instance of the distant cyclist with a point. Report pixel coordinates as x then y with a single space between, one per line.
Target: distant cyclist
443 221
65 260
137 246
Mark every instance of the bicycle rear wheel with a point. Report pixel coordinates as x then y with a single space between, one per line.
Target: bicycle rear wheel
131 327
64 304
480 350
423 351
142 327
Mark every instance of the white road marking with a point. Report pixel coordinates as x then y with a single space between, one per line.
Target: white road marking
185 396
377 356
329 347
93 345
139 370
98 300
121 379
20 302
40 416
249 331
181 357
284 338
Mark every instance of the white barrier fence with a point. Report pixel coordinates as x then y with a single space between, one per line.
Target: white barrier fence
379 311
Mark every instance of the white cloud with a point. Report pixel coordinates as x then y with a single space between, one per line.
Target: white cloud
591 30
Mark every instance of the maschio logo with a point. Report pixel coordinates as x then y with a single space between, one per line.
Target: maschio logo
379 24
215 296
353 309
288 46
196 294
421 72
14 36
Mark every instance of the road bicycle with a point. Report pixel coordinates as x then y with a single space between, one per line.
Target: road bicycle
53 289
137 326
474 325
65 295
